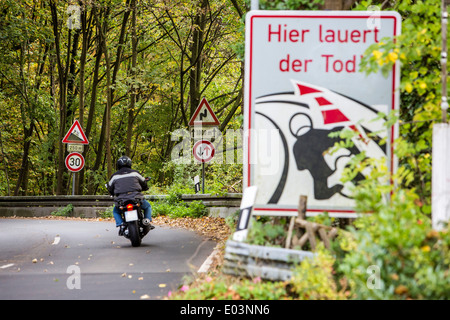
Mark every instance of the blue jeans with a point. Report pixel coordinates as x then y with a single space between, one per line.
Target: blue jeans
145 206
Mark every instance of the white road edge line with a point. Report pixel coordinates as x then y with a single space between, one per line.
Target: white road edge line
7 266
56 241
205 266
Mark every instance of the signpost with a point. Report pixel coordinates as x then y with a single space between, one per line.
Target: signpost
303 84
204 125
75 140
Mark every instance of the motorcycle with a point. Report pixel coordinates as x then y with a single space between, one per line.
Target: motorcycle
136 226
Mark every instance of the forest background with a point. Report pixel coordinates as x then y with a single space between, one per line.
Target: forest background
132 72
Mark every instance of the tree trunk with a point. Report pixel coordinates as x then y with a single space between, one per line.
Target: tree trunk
62 101
84 46
196 57
338 4
132 106
22 181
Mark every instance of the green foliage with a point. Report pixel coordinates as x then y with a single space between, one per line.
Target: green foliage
290 4
397 238
418 50
40 85
107 213
173 207
267 233
228 288
195 209
314 279
63 211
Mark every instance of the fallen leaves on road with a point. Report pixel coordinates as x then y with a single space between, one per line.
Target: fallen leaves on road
214 228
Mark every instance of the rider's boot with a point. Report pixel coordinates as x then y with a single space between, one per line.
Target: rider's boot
122 228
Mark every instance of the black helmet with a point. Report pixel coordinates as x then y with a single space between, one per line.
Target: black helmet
123 161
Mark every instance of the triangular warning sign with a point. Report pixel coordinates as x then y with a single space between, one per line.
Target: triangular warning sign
204 116
75 134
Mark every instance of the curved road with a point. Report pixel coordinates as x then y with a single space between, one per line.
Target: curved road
75 259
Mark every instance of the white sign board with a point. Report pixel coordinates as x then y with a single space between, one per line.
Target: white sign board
303 83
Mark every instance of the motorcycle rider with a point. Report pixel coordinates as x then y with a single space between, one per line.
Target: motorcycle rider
127 184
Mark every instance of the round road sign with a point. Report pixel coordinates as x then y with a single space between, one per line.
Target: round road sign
203 151
74 162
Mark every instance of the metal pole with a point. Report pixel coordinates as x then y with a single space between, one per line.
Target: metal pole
254 5
444 23
73 183
203 177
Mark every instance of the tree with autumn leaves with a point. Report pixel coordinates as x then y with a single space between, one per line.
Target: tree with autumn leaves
130 71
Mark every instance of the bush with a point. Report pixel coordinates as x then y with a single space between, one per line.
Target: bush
173 207
314 279
267 232
230 288
107 213
63 211
410 259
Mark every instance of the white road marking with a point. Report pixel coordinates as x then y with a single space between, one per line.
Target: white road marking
205 266
7 266
56 241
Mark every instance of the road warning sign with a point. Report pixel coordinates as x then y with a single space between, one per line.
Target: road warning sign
204 115
75 134
203 151
74 162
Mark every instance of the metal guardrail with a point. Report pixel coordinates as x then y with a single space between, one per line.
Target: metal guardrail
92 206
228 200
243 259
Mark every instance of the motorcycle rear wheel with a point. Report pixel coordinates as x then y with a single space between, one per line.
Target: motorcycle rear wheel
133 232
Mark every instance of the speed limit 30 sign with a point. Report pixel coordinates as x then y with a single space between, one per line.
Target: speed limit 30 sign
74 162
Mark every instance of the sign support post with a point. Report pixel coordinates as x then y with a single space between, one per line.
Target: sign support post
75 139
73 183
203 177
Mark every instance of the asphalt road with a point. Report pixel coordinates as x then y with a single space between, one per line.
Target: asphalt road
74 259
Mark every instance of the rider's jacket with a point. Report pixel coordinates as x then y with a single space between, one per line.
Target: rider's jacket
126 184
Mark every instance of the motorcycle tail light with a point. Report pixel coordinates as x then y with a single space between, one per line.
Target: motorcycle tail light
129 207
